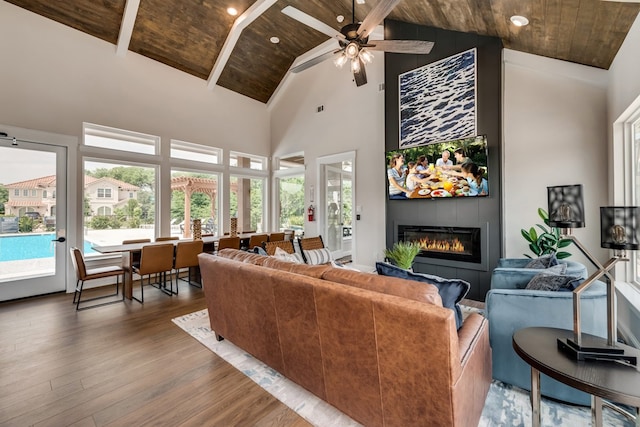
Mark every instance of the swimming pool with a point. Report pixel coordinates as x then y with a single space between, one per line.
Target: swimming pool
29 246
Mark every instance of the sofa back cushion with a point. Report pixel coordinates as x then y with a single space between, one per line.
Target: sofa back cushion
242 256
304 269
417 291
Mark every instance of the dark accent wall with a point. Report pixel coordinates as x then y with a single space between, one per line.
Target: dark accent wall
482 212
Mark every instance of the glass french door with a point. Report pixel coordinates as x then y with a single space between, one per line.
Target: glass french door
33 248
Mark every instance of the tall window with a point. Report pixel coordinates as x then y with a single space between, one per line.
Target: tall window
635 137
246 203
194 195
291 203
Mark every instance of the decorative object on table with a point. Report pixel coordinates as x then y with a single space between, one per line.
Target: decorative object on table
444 92
197 229
233 230
618 231
403 253
548 241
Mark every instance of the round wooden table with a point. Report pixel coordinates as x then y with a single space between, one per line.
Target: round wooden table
602 379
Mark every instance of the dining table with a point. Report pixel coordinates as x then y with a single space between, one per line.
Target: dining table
131 251
441 183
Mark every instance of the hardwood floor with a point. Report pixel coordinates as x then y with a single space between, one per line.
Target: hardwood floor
121 365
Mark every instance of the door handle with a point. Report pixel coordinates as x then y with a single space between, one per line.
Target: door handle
60 239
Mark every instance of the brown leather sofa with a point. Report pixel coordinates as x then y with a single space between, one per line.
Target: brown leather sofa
382 350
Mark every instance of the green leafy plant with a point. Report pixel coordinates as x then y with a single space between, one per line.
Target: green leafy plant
547 241
403 253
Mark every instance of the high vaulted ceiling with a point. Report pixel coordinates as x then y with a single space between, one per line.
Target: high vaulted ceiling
199 37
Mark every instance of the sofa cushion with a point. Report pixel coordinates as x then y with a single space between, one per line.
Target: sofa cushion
452 291
417 291
545 261
317 256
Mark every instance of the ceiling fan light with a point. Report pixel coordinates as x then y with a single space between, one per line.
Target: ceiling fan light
340 60
352 50
355 66
366 56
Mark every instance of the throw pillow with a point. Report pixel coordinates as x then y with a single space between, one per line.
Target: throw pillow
452 291
553 282
283 255
318 256
544 261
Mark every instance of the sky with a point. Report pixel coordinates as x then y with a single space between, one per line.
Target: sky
18 164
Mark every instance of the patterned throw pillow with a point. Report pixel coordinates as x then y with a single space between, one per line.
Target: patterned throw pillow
544 261
548 281
318 256
283 255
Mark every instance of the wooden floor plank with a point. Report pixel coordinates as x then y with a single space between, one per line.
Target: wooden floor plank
121 365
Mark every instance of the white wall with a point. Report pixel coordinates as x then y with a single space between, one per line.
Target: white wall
52 78
353 119
555 121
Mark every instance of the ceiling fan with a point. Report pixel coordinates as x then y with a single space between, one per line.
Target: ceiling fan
353 40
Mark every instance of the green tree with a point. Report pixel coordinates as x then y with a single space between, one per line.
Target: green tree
4 198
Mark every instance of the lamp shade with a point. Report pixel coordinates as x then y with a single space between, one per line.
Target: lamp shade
566 206
619 227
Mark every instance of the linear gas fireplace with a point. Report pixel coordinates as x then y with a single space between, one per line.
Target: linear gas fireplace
450 243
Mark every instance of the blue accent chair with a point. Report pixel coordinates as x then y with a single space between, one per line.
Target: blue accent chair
511 307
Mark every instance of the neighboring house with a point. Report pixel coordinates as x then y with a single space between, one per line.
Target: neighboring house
39 195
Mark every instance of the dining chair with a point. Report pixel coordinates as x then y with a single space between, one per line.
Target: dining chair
256 240
187 257
270 247
155 259
83 274
276 237
166 238
229 242
135 256
311 243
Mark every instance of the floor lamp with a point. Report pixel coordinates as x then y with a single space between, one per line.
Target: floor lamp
618 231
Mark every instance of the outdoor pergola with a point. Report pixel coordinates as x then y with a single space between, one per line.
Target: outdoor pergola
190 185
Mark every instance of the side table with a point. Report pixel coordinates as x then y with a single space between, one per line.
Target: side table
603 380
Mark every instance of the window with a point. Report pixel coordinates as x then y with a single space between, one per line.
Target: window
104 193
196 152
635 140
291 203
111 216
246 203
25 193
196 195
53 194
16 193
44 194
117 139
131 195
34 193
247 161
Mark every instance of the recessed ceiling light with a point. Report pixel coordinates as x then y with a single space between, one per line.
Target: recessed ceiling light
274 40
519 21
340 18
232 11
360 1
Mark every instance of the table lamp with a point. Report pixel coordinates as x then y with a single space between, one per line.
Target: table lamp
618 231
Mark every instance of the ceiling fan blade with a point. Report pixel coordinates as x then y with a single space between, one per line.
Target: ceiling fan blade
402 46
361 75
311 62
312 22
375 17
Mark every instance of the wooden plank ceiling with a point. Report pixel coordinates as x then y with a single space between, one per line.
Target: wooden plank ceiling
190 35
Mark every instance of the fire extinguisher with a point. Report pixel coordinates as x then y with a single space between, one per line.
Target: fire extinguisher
311 213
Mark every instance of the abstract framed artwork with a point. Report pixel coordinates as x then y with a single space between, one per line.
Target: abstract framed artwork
438 101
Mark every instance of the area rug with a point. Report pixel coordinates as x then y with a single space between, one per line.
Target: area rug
505 405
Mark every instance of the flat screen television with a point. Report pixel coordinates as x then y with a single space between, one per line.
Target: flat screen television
439 170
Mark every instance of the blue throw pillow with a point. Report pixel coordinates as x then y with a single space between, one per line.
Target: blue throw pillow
452 291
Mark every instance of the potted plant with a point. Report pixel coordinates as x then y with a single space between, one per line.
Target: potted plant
402 254
548 241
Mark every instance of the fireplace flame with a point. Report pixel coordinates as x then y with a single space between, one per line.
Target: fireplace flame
453 245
